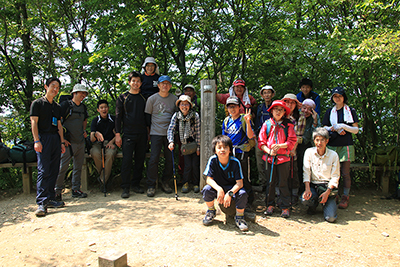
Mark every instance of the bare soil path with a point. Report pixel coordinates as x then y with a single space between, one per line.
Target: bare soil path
161 231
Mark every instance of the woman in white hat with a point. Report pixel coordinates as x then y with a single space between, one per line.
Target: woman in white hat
187 123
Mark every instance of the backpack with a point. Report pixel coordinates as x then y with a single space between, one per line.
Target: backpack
68 113
250 143
23 153
4 151
285 130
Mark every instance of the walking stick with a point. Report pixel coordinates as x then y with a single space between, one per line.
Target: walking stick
103 152
173 167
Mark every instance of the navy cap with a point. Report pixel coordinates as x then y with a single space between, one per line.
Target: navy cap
339 90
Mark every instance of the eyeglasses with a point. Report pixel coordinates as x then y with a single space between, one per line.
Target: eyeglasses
279 109
184 105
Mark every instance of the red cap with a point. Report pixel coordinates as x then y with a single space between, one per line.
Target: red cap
280 103
239 82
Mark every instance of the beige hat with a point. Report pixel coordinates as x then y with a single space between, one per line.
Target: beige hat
292 97
79 88
184 98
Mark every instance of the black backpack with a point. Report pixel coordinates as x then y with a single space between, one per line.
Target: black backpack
4 151
23 152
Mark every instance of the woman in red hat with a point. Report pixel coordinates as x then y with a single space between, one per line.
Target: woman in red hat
277 138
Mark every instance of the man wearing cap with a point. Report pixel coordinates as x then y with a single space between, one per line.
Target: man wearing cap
49 144
190 91
239 90
267 93
74 119
133 123
151 74
161 107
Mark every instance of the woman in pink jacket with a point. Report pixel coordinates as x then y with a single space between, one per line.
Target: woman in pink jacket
277 138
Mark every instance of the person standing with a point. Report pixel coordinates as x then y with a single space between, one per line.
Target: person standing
47 132
133 122
342 121
306 88
239 90
150 77
74 119
161 107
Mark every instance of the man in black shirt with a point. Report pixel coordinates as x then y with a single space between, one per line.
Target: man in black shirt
130 115
102 135
49 144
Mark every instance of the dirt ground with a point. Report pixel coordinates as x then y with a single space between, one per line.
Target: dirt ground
161 231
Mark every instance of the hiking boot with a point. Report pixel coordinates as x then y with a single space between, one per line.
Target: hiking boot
196 189
78 194
151 192
185 188
125 194
269 210
285 213
41 211
311 210
138 189
344 202
208 219
166 188
55 204
58 197
241 223
249 215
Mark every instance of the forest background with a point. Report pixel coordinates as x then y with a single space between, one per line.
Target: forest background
349 43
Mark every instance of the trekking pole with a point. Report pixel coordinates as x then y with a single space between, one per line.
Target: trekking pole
103 152
173 167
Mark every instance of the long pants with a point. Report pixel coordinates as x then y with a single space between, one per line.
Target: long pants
78 154
280 178
262 174
133 143
345 173
48 167
191 171
330 207
157 143
209 194
243 158
96 153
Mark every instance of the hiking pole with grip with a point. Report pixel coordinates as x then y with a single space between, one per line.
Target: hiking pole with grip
103 154
173 167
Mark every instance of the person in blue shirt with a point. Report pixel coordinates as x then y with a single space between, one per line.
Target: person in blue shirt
224 182
306 86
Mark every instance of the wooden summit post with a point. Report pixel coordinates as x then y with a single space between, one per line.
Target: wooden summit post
208 103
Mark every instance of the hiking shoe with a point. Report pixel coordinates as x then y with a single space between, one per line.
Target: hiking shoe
78 194
185 188
210 215
166 188
344 202
58 197
55 204
311 210
125 194
269 210
138 189
285 213
41 211
151 192
241 223
196 189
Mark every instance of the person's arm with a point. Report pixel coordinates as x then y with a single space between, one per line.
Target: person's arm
249 129
84 128
220 191
61 133
35 133
171 132
307 173
234 189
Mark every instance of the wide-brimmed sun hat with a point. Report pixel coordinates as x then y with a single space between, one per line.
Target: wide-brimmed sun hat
184 98
292 97
280 103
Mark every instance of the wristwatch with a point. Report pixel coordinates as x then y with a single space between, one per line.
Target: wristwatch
230 193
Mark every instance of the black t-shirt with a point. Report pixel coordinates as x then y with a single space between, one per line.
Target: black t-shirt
104 126
335 138
224 176
149 85
45 111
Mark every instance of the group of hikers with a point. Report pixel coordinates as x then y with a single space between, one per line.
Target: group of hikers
293 161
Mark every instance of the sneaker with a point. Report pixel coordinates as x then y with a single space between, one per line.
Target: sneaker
78 194
196 189
166 188
344 202
55 204
210 215
185 188
58 197
311 210
41 211
125 194
151 192
285 213
138 189
269 210
241 223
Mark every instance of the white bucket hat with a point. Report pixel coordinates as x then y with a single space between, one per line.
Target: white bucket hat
150 60
79 88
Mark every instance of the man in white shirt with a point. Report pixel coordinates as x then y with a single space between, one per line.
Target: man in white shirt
321 173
